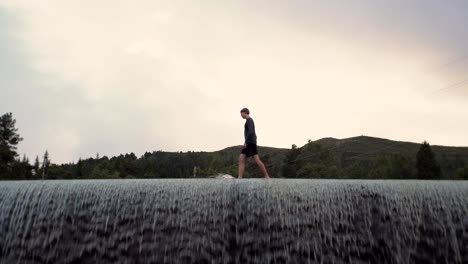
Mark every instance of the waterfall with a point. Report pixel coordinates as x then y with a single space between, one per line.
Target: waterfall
234 221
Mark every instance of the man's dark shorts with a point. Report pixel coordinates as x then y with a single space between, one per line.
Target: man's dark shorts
250 150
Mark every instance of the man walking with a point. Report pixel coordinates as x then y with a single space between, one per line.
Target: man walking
250 145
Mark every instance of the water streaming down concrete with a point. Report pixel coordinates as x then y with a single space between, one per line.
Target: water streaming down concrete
233 221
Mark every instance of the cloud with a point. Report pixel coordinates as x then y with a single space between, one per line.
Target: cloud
81 94
115 77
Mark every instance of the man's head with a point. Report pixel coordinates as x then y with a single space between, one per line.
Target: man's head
245 113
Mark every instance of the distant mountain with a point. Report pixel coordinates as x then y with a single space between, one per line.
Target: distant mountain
365 153
367 148
360 157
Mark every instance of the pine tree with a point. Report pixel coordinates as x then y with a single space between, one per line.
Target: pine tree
45 165
9 139
36 166
79 168
426 163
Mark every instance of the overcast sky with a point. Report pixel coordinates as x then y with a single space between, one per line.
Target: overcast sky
114 77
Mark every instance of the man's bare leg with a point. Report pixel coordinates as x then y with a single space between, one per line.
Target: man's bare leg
261 166
241 165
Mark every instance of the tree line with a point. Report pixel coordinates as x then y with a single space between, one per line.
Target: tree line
313 160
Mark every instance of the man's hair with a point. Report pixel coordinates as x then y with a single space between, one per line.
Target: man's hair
245 110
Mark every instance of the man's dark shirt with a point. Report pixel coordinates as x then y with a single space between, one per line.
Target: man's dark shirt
249 131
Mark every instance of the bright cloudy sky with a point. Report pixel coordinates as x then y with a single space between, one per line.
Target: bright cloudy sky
114 77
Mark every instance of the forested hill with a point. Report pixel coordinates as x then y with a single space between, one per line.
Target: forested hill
357 158
382 156
351 158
